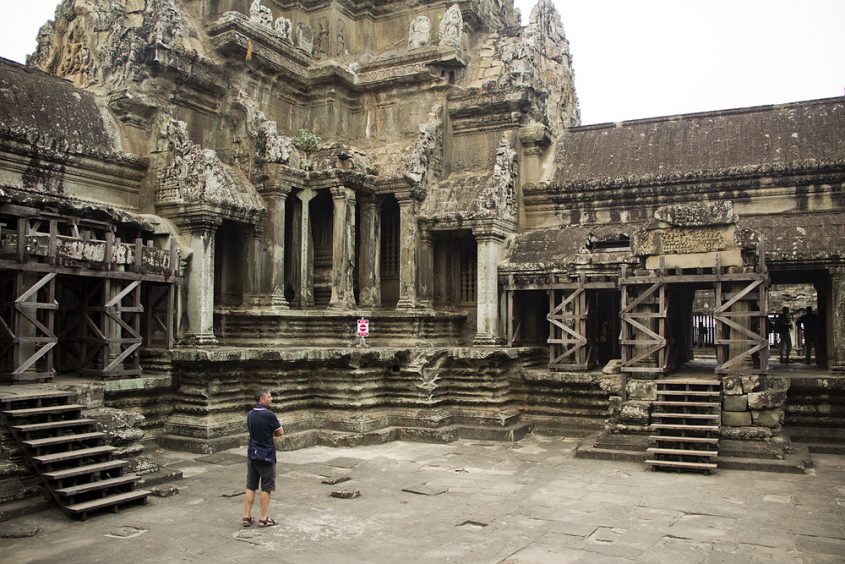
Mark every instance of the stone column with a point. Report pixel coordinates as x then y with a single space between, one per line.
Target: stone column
255 291
407 252
200 284
306 251
426 269
343 248
276 231
369 255
836 323
487 288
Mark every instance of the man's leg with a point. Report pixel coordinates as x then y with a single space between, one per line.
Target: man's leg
263 505
249 500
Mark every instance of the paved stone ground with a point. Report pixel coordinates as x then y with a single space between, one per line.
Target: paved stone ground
464 502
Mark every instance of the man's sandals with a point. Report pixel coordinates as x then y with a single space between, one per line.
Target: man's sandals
268 522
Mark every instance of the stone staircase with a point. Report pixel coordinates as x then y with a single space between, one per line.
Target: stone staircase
686 419
76 467
815 412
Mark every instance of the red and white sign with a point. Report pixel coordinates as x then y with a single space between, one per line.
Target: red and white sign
363 327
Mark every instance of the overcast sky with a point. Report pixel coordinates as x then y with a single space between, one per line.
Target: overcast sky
645 58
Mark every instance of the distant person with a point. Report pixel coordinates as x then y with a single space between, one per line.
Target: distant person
702 331
263 425
809 324
783 326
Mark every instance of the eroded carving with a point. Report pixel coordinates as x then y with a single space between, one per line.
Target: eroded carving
261 15
419 34
451 28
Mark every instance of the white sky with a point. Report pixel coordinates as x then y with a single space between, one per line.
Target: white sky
645 58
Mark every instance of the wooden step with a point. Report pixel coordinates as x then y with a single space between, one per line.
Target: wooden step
711 416
52 425
73 454
683 452
87 469
107 502
61 439
53 409
670 438
689 382
705 404
679 464
98 485
678 427
696 393
7 400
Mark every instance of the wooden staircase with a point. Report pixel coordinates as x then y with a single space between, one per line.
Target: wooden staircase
686 419
77 468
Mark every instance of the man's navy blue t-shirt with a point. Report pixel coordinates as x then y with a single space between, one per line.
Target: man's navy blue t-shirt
261 422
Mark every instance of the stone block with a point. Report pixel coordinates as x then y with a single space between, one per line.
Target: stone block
642 390
772 418
745 433
735 403
750 383
731 386
634 413
611 384
614 405
613 366
767 400
736 419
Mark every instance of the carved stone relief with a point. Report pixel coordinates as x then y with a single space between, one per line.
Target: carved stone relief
283 29
262 15
341 38
451 28
321 42
304 37
419 34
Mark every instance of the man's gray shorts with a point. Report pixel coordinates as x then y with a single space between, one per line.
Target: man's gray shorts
263 471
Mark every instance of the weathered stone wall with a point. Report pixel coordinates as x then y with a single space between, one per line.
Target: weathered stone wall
322 392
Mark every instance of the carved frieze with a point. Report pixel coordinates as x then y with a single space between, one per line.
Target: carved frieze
452 28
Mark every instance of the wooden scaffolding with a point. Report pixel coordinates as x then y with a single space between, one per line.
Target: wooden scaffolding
71 286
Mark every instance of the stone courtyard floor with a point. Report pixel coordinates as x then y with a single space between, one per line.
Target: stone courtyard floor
468 501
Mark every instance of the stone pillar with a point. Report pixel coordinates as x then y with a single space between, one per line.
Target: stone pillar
369 255
836 323
306 251
276 230
255 292
343 248
407 252
441 283
200 283
426 269
487 288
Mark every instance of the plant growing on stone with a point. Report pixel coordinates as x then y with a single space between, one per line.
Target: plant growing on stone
306 141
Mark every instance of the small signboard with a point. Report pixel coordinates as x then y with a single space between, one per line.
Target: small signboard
363 327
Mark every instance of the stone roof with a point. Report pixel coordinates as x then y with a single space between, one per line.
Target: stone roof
50 111
720 143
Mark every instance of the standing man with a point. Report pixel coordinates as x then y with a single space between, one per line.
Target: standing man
263 425
783 327
809 324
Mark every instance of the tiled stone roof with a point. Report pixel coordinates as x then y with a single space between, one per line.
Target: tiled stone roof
703 145
51 111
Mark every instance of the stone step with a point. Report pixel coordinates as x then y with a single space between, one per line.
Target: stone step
681 464
51 410
61 439
110 502
683 452
98 485
81 470
48 459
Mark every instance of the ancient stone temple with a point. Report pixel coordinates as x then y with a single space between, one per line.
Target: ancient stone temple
200 197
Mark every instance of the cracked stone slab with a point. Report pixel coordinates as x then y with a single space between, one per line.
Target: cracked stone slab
332 480
223 459
164 491
346 494
425 490
249 537
13 532
344 462
233 494
125 532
